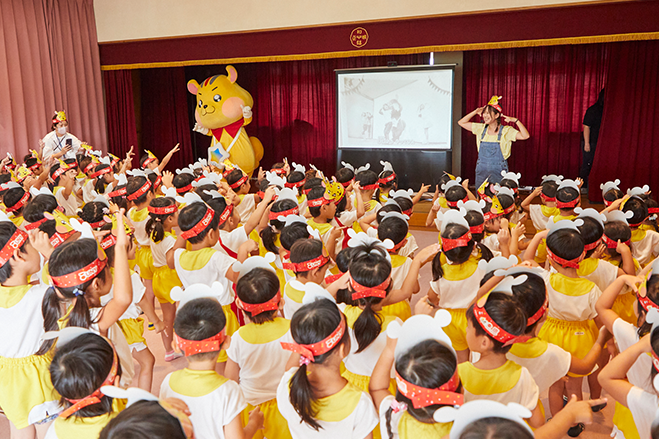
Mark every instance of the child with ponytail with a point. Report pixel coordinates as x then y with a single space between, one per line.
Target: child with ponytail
644 243
26 393
312 395
426 369
163 217
256 360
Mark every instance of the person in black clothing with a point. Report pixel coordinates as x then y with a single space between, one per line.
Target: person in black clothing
591 129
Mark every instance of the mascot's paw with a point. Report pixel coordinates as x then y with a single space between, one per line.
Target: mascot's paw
200 129
247 112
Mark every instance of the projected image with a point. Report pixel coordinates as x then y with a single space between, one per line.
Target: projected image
395 109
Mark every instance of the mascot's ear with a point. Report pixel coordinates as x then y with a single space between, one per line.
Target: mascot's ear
193 86
232 73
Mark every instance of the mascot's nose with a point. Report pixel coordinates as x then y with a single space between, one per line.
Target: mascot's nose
206 106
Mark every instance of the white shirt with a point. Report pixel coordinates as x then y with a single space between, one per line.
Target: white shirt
357 425
139 289
159 250
87 189
70 204
118 339
643 406
140 227
639 374
363 363
54 144
231 240
538 219
647 248
215 269
246 207
23 321
546 369
571 308
457 294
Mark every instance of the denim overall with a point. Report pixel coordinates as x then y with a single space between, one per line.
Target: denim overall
490 160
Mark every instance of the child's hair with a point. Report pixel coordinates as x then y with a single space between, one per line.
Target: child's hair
93 212
83 161
384 188
143 159
566 244
314 194
181 181
305 250
506 201
445 178
120 200
312 183
506 312
258 286
369 268
393 228
100 184
592 232
654 342
190 216
312 323
344 175
233 177
566 195
457 255
135 184
499 428
617 231
200 319
531 295
343 260
366 178
269 234
651 203
293 233
612 195
295 177
652 293
455 194
79 368
430 365
391 207
474 219
109 252
509 183
219 205
12 197
549 188
634 205
65 259
406 205
201 191
155 226
7 230
36 207
278 165
143 420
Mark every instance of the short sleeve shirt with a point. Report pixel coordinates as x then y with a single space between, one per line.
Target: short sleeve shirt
508 136
593 119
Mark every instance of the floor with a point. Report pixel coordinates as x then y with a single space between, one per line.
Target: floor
600 429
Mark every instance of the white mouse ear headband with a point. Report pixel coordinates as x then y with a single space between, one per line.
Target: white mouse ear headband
366 167
401 193
551 177
275 180
189 198
474 205
291 219
348 166
185 171
386 167
605 187
638 190
298 168
41 191
169 192
511 176
393 214
242 268
362 239
312 292
497 263
286 194
619 215
473 411
217 291
450 184
565 225
204 181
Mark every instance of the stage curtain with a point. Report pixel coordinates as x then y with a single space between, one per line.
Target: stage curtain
630 125
50 62
549 90
122 133
164 110
295 105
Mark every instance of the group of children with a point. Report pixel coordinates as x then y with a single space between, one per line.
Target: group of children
293 304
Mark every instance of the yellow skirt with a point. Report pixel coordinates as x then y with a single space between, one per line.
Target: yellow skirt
362 381
575 337
541 253
26 392
624 421
164 279
457 329
401 310
232 326
144 260
624 307
274 424
133 330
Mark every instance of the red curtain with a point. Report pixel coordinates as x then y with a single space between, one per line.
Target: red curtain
549 90
164 110
50 62
630 125
120 112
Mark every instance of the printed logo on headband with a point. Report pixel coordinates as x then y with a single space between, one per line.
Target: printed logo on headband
385 180
492 328
200 226
297 184
547 199
109 241
35 224
19 204
455 203
101 172
141 191
118 193
15 242
226 213
569 263
239 183
181 190
309 351
275 215
301 267
79 277
165 210
257 308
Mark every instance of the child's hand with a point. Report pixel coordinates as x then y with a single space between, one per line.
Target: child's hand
435 195
603 336
175 149
536 192
423 306
167 178
256 417
179 405
428 253
39 240
599 251
130 153
465 184
435 206
579 182
581 410
269 194
543 234
518 230
335 233
113 207
250 246
504 236
122 239
424 188
356 186
261 174
159 326
632 281
622 247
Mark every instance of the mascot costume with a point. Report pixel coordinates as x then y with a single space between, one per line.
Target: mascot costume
223 109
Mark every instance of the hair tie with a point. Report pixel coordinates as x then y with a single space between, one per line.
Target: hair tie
78 292
397 406
304 361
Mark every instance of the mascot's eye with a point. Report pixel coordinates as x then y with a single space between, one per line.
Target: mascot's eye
217 98
200 104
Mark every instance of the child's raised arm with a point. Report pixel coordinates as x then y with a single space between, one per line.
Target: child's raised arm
359 201
605 302
613 377
378 387
411 281
627 258
123 289
526 203
529 254
423 190
575 412
255 219
169 256
167 158
366 221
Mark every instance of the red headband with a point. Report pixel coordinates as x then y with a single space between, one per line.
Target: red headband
226 213
118 193
592 245
333 278
655 360
547 199
652 210
20 203
397 246
109 241
567 204
278 171
571 263
455 203
610 243
15 242
423 397
210 344
95 397
646 303
301 267
147 161
347 183
258 308
58 238
89 166
98 224
377 291
318 202
34 166
180 190
309 351
370 187
165 210
239 183
35 224
476 229
275 215
638 224
200 226
493 329
296 184
385 180
80 276
450 244
539 313
158 181
141 191
100 172
491 215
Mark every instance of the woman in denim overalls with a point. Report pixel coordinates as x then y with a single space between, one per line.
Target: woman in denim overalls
491 159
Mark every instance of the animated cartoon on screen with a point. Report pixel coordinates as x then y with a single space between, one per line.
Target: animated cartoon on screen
223 109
